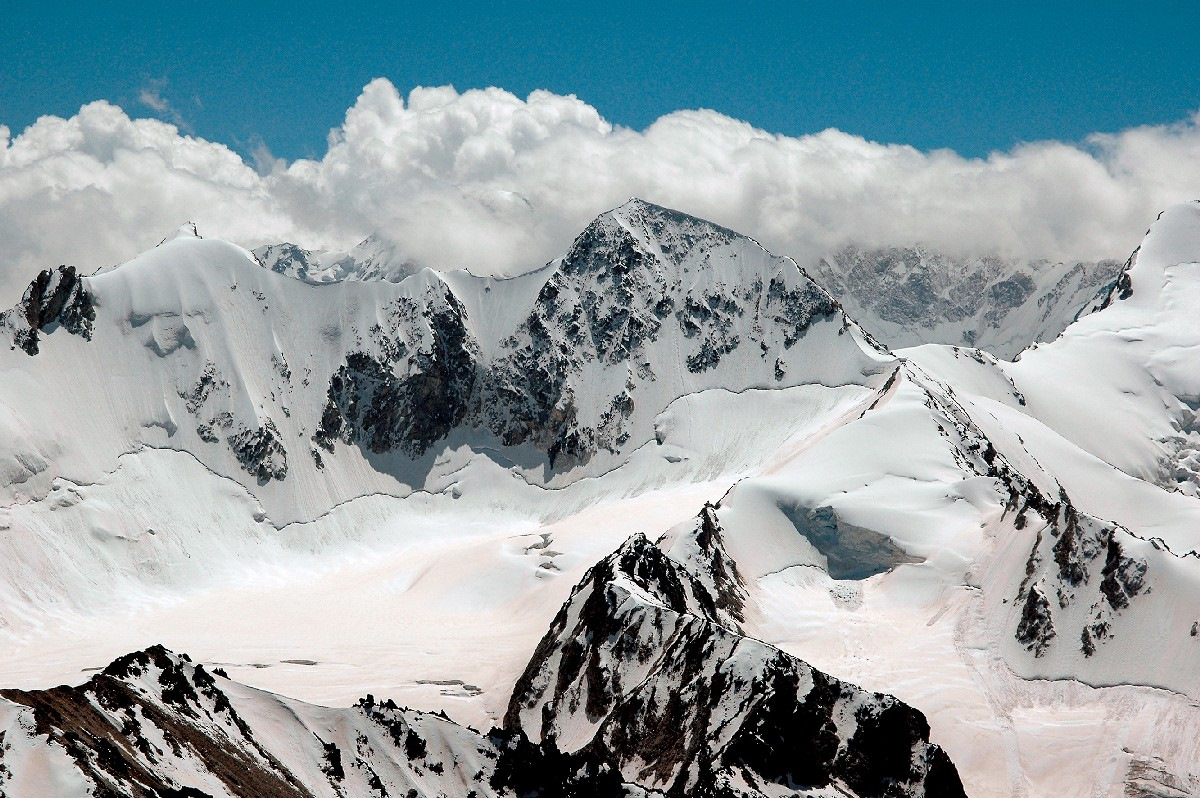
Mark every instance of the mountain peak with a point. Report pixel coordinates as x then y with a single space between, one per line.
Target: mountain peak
1172 239
638 214
185 231
374 258
640 232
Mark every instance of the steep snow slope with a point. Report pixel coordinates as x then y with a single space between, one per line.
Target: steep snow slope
911 296
1122 384
312 395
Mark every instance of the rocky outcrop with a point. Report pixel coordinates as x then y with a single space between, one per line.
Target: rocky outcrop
260 451
1065 564
55 298
155 724
413 390
1036 628
850 552
1120 288
643 672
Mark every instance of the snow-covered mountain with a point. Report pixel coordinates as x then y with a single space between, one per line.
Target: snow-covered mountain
742 503
904 296
910 296
374 258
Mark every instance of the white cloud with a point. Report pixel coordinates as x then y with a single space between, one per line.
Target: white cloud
488 180
151 96
152 99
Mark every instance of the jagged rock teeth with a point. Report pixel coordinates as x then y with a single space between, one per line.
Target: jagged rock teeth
54 297
260 452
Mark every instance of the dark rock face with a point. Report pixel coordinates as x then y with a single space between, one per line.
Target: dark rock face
1124 577
644 674
102 727
796 309
715 569
1073 542
56 297
851 552
527 396
260 452
606 302
1121 288
208 381
542 771
637 278
155 725
374 403
1036 629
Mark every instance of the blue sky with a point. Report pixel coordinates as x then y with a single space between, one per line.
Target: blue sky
969 76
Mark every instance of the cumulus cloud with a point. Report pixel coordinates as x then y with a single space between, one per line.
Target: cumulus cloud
500 184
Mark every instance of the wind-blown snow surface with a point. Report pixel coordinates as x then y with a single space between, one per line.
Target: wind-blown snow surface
356 487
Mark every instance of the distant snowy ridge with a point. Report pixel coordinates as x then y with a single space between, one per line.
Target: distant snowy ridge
904 296
912 296
371 259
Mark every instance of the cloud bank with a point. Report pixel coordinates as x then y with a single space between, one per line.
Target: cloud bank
486 180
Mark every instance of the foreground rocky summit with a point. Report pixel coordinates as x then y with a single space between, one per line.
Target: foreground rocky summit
645 668
642 686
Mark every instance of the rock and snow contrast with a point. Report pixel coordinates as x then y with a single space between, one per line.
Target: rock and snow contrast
659 518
